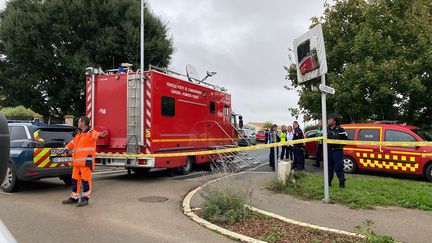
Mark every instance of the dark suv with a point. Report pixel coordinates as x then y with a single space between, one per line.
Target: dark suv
37 151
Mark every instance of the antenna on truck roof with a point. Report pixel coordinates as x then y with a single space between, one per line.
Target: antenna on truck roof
192 73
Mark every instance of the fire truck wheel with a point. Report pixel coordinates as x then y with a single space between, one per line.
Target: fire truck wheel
349 165
428 172
141 171
10 183
187 168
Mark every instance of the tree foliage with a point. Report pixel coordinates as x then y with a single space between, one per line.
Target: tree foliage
47 45
18 112
267 125
379 60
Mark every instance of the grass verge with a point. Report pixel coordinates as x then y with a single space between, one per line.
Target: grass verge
361 191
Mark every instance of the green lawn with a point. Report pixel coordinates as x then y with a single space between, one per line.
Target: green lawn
362 191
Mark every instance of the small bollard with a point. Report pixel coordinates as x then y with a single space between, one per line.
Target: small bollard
284 171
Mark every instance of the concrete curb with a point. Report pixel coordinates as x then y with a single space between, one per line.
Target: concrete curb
189 212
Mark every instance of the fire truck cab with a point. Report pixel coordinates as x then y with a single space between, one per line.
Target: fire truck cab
158 112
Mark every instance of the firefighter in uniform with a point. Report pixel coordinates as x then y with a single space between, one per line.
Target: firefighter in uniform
335 151
273 137
299 162
83 148
319 151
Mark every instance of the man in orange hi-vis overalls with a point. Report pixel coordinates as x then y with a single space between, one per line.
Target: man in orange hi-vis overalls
83 148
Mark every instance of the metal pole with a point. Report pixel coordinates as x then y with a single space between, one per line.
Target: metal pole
276 161
92 97
324 134
142 77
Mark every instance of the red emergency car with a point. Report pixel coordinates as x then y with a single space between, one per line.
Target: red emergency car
407 160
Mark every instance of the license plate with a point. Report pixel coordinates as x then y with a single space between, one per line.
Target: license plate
61 159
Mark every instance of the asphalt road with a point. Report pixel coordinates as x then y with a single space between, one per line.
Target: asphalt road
119 210
123 208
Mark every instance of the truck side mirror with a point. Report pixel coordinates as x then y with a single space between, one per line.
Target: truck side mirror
4 147
240 121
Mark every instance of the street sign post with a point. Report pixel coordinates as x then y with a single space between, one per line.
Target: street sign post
326 89
311 63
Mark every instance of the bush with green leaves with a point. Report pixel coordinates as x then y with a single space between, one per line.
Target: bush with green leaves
371 237
18 112
224 204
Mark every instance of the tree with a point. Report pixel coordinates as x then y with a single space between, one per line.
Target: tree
47 45
379 58
18 112
267 125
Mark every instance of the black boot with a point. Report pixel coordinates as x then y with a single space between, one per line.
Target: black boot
84 202
70 200
342 184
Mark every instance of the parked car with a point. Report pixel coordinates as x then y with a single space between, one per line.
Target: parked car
415 160
4 146
260 136
246 137
36 152
310 147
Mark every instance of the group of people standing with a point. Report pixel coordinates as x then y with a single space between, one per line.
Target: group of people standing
292 152
296 152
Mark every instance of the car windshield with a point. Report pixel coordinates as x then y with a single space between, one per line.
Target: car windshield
54 138
423 134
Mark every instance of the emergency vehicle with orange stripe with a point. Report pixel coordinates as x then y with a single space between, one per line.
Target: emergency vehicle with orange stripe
416 160
159 112
36 152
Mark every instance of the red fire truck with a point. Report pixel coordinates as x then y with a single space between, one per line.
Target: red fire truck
160 111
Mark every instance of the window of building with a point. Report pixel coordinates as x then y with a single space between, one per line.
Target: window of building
168 106
369 135
212 107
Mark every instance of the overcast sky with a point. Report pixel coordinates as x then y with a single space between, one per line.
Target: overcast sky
245 42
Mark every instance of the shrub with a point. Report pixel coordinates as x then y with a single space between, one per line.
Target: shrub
18 112
224 205
371 236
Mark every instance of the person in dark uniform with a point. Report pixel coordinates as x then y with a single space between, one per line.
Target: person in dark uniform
273 137
335 151
299 163
319 150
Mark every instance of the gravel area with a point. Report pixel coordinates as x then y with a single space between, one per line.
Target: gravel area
273 230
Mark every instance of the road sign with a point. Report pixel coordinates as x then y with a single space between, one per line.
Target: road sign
310 55
327 89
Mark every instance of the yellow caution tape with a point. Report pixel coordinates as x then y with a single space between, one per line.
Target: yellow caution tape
376 143
262 146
